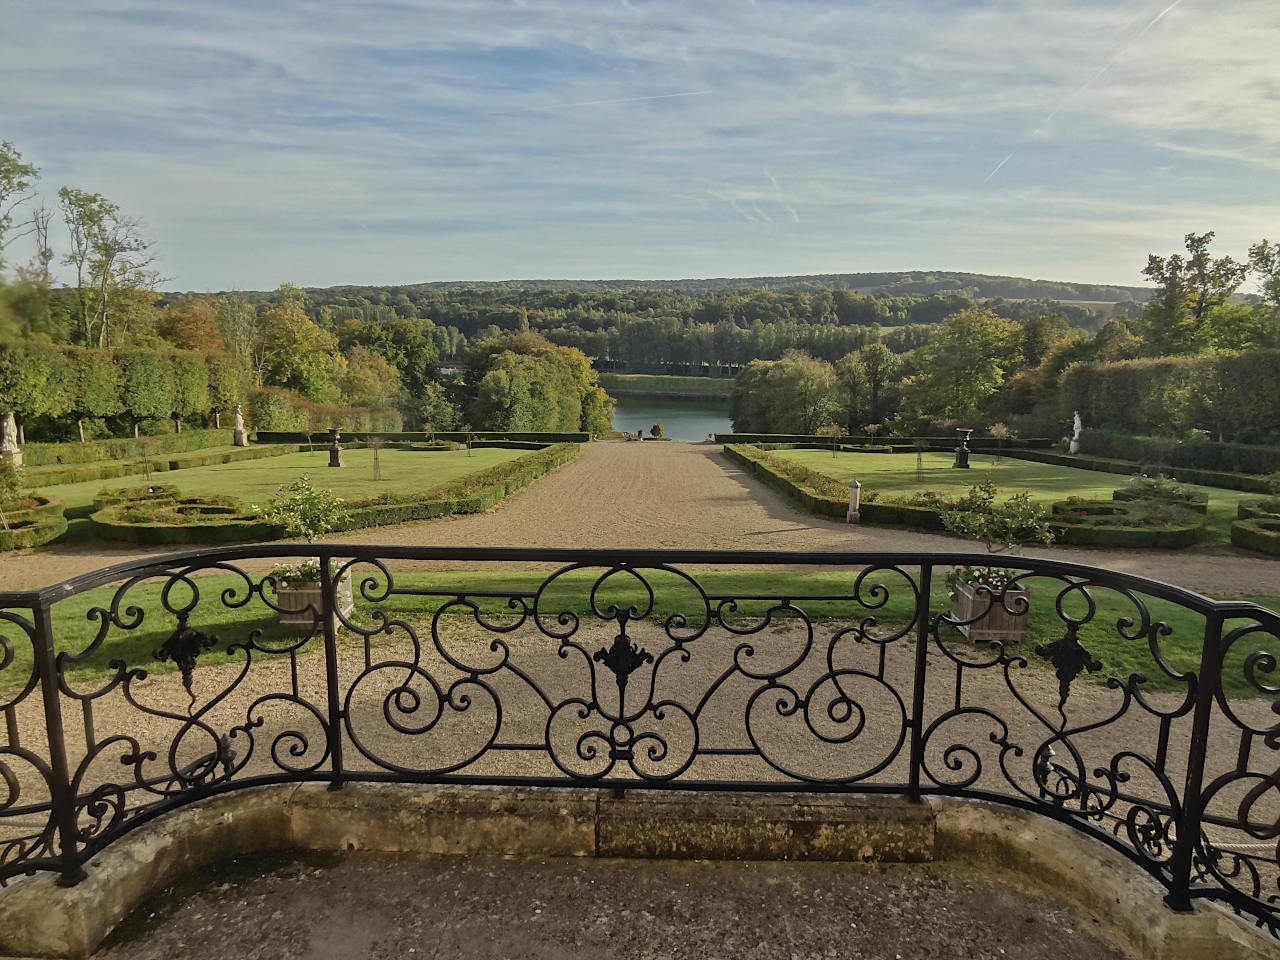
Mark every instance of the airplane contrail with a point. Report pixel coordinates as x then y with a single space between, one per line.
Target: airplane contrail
1087 84
598 103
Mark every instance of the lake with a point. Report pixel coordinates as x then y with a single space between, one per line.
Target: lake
680 419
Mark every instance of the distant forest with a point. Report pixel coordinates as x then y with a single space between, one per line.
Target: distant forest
707 326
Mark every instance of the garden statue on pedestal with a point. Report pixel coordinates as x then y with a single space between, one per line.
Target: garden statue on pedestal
1076 426
962 451
335 451
239 436
10 453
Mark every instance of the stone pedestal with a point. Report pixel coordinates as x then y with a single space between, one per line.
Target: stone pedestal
335 451
962 451
855 495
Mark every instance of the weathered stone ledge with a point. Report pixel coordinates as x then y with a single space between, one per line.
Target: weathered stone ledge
40 919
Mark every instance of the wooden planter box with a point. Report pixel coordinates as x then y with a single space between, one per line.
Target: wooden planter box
297 596
997 623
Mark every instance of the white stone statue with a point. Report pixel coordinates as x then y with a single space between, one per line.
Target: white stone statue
239 436
1077 426
9 451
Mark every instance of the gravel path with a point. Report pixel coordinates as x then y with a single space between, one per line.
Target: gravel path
678 495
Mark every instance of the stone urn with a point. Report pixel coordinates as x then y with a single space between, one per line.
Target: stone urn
997 623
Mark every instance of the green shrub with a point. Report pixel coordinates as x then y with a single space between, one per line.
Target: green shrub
303 510
1253 509
1162 490
1261 534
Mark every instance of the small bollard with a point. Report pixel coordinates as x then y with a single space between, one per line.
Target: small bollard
855 494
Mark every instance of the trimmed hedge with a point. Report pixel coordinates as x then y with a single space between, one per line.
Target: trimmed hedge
1199 454
1098 530
470 494
903 444
1256 509
818 493
1199 502
418 436
95 451
32 532
473 493
155 491
33 521
1260 533
213 527
1205 478
51 476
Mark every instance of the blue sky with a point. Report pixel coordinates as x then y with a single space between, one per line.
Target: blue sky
399 142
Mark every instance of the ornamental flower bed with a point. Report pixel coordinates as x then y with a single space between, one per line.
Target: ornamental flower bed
1160 489
1138 523
159 515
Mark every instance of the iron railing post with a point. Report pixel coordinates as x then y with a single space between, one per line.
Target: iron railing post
923 600
61 795
329 618
1188 825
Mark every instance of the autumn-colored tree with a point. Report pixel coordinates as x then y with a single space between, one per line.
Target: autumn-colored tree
192 325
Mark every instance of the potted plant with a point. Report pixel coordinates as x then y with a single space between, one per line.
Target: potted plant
305 511
987 601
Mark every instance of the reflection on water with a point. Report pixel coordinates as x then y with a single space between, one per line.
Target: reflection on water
680 419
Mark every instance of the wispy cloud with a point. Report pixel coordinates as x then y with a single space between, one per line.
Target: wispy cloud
481 138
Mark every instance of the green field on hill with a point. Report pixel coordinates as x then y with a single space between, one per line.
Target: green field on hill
893 475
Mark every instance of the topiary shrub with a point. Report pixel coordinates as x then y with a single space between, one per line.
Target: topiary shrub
152 491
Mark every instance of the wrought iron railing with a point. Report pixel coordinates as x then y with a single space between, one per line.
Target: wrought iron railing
1137 712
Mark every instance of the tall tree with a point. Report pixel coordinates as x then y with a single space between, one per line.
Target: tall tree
1189 289
16 178
110 256
964 363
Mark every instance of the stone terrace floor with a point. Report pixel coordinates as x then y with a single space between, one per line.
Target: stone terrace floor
377 906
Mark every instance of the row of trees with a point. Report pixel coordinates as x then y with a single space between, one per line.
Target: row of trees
44 382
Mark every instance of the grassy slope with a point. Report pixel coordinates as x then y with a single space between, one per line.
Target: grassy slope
1120 657
256 481
894 475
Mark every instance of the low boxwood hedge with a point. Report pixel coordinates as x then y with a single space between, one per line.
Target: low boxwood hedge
153 491
1206 478
122 448
1194 500
470 494
1110 523
163 520
32 532
33 520
825 496
1258 509
51 476
1259 533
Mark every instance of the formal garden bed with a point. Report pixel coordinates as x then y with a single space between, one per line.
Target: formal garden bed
1259 526
160 514
1155 524
1149 512
31 520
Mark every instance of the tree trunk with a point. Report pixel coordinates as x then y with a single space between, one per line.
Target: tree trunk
22 436
177 424
217 419
80 428
136 424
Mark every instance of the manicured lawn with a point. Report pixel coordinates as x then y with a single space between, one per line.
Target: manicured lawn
256 481
806 588
893 475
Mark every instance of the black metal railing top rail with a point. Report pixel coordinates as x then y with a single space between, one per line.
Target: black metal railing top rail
1140 713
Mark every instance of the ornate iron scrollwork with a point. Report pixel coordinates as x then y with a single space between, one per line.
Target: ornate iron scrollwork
1069 660
183 647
